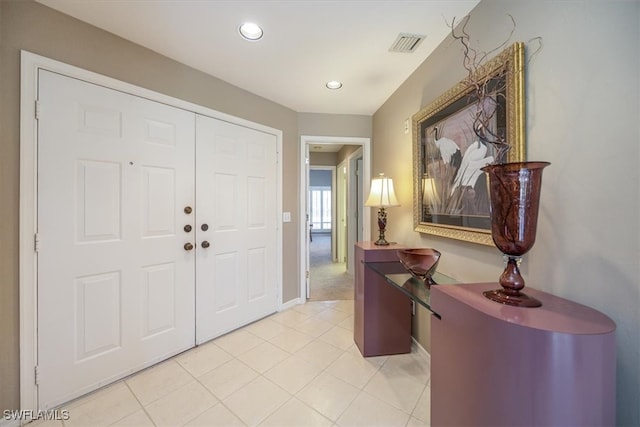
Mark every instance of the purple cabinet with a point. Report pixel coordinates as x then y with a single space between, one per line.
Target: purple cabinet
382 315
497 365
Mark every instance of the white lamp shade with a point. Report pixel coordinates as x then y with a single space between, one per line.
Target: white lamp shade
382 194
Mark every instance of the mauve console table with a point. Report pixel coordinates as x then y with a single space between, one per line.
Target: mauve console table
497 365
383 297
382 314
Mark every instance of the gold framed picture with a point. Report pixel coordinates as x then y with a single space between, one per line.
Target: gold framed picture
451 197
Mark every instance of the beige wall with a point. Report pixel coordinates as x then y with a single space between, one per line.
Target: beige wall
323 159
33 27
346 151
583 112
331 159
345 125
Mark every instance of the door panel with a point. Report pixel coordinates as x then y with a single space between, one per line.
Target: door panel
158 288
158 202
98 314
236 276
115 286
225 285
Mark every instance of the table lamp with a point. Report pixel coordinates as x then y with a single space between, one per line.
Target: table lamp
382 196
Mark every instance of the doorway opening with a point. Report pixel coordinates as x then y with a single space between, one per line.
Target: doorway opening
334 176
328 277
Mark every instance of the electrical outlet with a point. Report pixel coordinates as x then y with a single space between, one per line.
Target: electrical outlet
406 126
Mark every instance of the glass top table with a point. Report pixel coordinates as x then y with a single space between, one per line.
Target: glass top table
396 275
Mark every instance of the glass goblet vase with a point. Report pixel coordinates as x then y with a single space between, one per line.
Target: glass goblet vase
514 192
421 263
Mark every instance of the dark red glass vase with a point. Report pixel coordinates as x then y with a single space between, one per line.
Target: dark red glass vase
514 191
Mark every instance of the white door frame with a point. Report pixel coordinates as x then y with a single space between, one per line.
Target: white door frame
341 211
305 141
30 64
354 211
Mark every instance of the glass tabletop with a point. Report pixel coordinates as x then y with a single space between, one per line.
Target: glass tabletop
396 275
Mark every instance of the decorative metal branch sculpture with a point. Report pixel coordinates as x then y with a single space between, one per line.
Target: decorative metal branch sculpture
486 88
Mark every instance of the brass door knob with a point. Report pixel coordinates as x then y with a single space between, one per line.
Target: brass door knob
204 227
187 228
205 244
188 210
188 246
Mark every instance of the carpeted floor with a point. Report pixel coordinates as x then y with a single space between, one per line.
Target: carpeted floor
329 280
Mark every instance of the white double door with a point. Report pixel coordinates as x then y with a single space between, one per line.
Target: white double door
156 232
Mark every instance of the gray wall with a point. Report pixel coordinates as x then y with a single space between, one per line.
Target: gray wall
583 116
36 28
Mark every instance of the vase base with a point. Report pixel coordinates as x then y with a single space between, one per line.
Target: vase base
520 300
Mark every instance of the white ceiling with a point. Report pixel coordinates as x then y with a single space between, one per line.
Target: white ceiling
306 43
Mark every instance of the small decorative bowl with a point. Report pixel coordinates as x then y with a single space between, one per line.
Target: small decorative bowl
421 263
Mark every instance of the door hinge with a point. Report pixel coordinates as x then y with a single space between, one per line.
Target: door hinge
307 274
36 372
38 109
36 242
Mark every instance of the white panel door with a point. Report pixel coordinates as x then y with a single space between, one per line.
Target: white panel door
115 283
236 186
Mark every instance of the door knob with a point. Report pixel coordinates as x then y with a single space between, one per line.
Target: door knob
188 246
187 228
204 227
205 244
188 210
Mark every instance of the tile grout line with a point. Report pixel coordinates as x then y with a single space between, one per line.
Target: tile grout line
320 372
322 368
144 409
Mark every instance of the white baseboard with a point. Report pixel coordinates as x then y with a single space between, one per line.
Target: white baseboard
289 304
415 346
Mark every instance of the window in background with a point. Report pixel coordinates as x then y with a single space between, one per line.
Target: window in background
320 207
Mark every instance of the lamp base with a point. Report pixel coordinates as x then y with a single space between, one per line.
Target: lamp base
381 242
382 225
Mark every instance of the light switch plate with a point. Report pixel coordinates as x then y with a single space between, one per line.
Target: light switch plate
286 216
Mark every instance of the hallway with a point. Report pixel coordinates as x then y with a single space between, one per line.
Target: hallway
329 281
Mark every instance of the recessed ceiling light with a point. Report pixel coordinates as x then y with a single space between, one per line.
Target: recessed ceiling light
333 85
250 31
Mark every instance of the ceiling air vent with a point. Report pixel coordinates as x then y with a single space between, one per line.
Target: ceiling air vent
406 43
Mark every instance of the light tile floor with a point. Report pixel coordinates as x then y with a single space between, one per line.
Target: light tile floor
299 367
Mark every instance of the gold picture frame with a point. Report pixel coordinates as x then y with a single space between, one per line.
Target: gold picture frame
450 195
